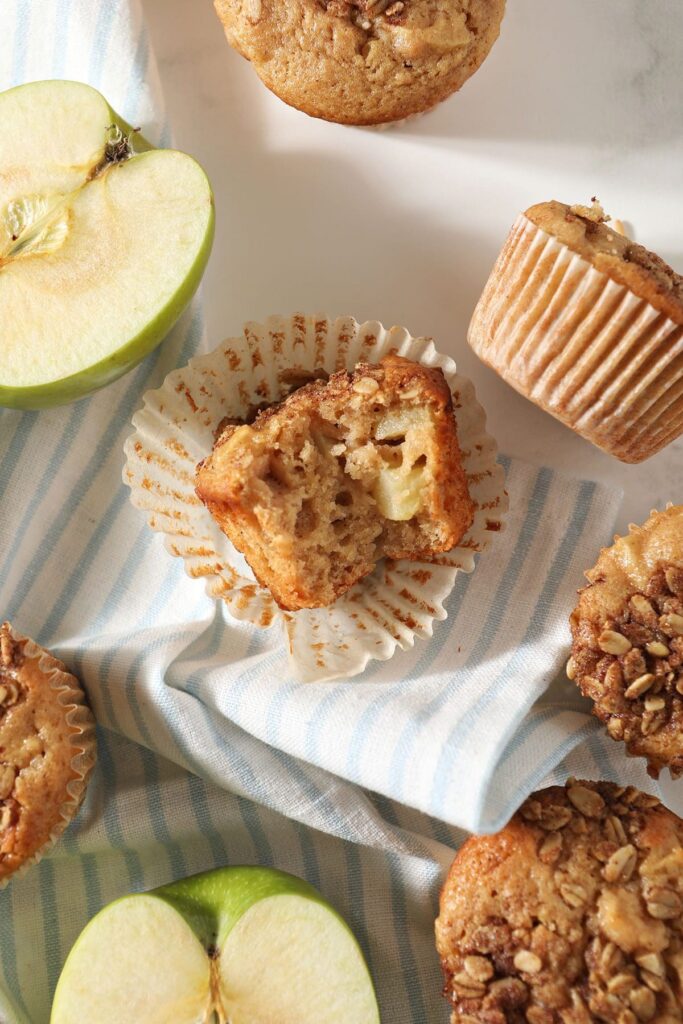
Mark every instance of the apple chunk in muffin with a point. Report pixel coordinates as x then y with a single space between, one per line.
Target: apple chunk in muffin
341 473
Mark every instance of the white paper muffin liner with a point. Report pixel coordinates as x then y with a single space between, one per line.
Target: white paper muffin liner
580 345
175 430
67 692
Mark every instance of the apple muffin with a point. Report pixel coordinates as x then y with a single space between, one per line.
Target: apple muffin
627 648
340 473
47 750
570 914
588 325
362 61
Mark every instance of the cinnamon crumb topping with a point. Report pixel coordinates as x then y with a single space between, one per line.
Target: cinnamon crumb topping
631 666
570 915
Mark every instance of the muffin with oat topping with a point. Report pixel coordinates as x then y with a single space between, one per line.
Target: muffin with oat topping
571 914
627 649
587 324
47 750
362 61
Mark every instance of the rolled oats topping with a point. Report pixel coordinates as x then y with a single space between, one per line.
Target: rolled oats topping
578 925
479 968
364 12
7 647
8 774
11 654
6 819
11 659
631 666
586 800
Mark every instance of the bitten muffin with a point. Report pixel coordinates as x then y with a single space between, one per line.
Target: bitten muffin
362 61
589 326
339 474
47 750
627 649
571 914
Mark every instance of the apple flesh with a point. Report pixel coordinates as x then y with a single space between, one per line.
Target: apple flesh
103 242
241 945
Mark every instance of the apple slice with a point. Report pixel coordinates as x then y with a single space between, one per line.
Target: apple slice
242 945
101 247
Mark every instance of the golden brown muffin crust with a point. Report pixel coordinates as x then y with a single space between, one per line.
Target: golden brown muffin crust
339 474
571 914
358 61
36 755
627 630
626 262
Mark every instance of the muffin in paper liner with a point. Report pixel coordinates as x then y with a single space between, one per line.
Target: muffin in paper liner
59 697
176 429
583 347
627 640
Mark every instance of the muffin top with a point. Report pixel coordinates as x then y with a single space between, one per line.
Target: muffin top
627 650
586 232
362 61
570 914
38 744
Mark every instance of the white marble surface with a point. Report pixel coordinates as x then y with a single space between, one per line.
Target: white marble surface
578 97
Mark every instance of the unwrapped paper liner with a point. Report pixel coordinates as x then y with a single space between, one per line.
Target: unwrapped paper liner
176 428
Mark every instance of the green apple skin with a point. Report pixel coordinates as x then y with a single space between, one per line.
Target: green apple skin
212 904
92 378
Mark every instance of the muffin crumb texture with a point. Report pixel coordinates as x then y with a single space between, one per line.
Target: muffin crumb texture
36 752
339 474
569 915
594 212
627 651
359 61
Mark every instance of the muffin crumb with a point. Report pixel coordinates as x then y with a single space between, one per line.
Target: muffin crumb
593 213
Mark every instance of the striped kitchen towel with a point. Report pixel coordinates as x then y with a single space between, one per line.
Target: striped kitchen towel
209 752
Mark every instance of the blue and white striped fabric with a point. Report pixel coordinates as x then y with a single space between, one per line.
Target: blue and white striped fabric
209 754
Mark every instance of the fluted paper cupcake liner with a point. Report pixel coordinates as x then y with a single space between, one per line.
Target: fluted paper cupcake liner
67 691
581 346
176 427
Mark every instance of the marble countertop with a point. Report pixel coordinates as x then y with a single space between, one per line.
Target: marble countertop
577 99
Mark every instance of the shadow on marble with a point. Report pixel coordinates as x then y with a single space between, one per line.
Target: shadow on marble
606 81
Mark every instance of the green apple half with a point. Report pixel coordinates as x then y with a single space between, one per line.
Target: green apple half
242 945
101 246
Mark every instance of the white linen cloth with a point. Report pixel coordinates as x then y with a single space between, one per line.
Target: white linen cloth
209 753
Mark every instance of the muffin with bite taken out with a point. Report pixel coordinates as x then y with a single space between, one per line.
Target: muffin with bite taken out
341 473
